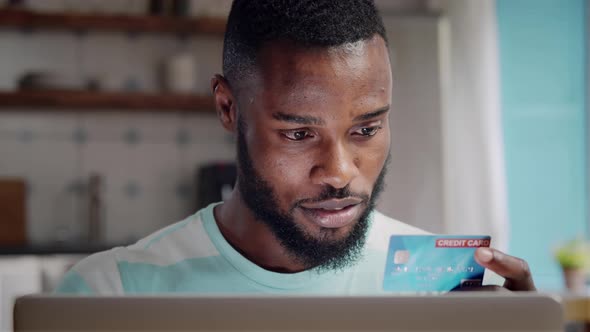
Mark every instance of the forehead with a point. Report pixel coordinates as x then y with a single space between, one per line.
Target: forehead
352 76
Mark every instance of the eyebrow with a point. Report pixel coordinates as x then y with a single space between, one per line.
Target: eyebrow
312 120
304 120
371 115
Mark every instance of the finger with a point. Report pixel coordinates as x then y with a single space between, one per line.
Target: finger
515 270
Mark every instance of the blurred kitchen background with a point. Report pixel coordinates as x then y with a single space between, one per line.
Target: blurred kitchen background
108 133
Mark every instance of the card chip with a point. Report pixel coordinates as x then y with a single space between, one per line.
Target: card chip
471 282
401 257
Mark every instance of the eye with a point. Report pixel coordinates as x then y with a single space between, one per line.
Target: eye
368 131
297 135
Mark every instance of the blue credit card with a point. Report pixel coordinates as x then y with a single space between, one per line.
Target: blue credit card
433 263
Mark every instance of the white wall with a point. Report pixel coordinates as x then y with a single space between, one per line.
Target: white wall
474 171
414 184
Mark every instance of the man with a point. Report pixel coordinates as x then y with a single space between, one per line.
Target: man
306 88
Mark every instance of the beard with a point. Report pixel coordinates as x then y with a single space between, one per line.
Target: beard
321 252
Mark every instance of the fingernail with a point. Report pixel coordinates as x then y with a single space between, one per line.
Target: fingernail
485 255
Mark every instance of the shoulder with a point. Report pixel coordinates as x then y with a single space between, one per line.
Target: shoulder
104 272
383 227
96 274
185 239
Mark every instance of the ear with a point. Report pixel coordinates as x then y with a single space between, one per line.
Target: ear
225 103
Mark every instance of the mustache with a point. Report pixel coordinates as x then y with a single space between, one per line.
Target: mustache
330 192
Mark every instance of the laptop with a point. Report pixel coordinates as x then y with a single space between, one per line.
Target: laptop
478 311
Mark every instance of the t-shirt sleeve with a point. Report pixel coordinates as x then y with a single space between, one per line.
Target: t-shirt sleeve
73 283
97 274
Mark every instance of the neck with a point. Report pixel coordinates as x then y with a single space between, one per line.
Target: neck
252 238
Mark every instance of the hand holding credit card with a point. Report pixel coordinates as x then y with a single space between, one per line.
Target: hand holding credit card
433 263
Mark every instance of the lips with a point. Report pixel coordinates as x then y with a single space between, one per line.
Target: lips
333 204
333 213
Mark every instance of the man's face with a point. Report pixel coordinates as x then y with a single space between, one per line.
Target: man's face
313 140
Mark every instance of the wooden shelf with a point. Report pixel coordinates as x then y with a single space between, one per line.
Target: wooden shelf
80 22
107 101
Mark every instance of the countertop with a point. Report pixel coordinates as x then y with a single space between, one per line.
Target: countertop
55 249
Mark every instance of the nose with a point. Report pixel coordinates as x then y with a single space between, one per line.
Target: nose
337 167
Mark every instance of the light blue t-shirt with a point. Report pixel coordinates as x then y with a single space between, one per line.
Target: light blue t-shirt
192 256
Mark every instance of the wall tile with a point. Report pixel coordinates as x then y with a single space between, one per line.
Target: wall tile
16 157
203 154
153 156
136 179
155 164
53 165
113 127
204 128
158 127
62 48
120 222
47 166
52 213
148 68
130 57
112 160
209 62
10 44
41 124
106 56
128 219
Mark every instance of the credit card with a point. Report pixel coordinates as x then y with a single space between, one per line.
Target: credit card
433 263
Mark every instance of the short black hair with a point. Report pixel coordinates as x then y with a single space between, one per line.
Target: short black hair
306 23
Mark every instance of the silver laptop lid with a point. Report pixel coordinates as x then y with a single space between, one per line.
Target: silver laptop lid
452 312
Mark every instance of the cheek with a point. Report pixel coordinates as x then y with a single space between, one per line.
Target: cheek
286 172
289 175
373 157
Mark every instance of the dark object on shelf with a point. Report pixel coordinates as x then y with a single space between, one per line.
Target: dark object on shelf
77 100
169 7
158 7
180 7
95 209
12 211
51 81
214 182
15 3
